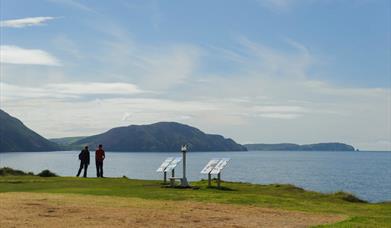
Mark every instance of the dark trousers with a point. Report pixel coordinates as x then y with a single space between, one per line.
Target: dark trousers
99 168
85 166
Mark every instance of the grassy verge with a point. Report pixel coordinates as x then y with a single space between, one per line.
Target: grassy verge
287 197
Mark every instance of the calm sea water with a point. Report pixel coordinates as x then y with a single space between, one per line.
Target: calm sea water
366 174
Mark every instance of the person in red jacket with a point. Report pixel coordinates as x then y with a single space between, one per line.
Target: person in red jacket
99 157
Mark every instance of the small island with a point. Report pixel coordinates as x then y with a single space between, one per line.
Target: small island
334 146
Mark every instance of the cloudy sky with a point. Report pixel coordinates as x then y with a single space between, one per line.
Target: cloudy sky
265 71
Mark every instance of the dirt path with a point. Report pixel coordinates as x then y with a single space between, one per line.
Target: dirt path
66 210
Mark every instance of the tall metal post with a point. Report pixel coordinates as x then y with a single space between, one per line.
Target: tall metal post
184 182
209 179
165 177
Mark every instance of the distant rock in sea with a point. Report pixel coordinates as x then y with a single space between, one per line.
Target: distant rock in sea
16 137
295 147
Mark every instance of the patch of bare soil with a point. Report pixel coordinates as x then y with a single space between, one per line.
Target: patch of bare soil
68 210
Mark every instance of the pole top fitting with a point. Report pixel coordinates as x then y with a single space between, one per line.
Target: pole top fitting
184 148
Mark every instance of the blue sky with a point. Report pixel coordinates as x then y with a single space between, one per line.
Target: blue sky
278 70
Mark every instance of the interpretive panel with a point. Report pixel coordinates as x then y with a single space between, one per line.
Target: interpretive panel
173 164
209 167
220 166
164 165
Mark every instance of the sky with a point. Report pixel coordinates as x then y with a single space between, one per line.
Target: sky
256 71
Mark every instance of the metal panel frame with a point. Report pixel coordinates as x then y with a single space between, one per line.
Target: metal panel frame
220 166
210 166
164 164
173 164
168 165
215 166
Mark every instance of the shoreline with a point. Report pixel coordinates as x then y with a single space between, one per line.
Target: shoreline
244 151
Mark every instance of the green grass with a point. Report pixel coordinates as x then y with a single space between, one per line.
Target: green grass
289 197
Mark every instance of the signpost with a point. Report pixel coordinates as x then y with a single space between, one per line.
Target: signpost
215 166
184 183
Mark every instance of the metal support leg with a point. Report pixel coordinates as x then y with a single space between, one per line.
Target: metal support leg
209 179
218 180
172 182
165 177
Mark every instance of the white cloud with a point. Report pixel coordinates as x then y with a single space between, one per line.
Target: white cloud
95 88
11 92
67 110
279 112
24 22
66 90
155 68
279 115
269 95
275 63
17 55
172 68
61 117
278 109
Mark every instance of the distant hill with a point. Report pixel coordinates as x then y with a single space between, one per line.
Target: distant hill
67 141
159 137
296 147
16 137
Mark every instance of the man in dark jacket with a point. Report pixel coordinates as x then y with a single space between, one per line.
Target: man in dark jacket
99 157
84 157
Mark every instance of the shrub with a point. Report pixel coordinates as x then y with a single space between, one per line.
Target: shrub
7 171
47 173
349 197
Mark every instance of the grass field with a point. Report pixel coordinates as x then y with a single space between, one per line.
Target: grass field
288 198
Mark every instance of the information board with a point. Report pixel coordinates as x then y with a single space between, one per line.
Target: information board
209 167
164 165
220 166
173 164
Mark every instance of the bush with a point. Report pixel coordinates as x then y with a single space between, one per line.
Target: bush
7 171
349 197
47 173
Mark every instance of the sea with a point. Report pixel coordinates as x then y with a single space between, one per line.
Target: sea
366 174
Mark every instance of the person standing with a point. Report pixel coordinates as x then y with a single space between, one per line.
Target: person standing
84 157
99 157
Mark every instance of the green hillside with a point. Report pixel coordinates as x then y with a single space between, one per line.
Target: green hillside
16 137
66 141
159 137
